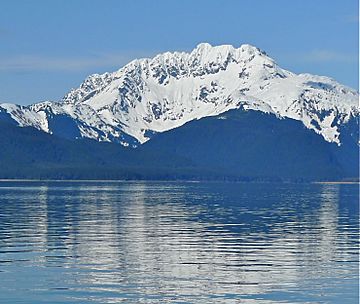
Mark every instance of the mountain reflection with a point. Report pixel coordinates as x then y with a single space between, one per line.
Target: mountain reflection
157 242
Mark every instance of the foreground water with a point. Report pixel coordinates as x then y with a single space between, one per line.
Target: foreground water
146 242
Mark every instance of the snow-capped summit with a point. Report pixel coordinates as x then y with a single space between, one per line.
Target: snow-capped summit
161 93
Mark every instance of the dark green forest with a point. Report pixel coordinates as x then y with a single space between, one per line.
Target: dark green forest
241 146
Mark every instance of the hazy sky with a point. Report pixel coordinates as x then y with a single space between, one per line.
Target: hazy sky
48 47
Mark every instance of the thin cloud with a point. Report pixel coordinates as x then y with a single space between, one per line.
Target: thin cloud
329 56
45 63
352 18
4 32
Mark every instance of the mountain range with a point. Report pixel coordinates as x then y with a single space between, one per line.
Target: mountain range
216 112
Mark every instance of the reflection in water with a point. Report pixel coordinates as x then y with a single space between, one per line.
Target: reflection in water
178 242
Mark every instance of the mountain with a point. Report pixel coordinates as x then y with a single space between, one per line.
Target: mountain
216 113
151 96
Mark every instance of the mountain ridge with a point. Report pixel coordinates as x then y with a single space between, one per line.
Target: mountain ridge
153 95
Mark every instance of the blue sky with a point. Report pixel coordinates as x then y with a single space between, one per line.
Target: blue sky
48 47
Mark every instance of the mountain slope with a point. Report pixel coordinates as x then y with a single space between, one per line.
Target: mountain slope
236 145
149 96
258 145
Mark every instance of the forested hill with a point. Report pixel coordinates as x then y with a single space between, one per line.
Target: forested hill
236 145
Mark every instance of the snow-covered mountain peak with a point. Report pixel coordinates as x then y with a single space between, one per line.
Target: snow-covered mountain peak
157 94
207 53
204 59
211 53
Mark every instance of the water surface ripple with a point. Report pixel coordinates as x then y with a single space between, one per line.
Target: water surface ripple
158 242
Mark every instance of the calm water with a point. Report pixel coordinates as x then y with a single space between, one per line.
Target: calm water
147 242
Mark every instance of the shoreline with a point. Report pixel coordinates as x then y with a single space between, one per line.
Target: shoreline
172 180
338 183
